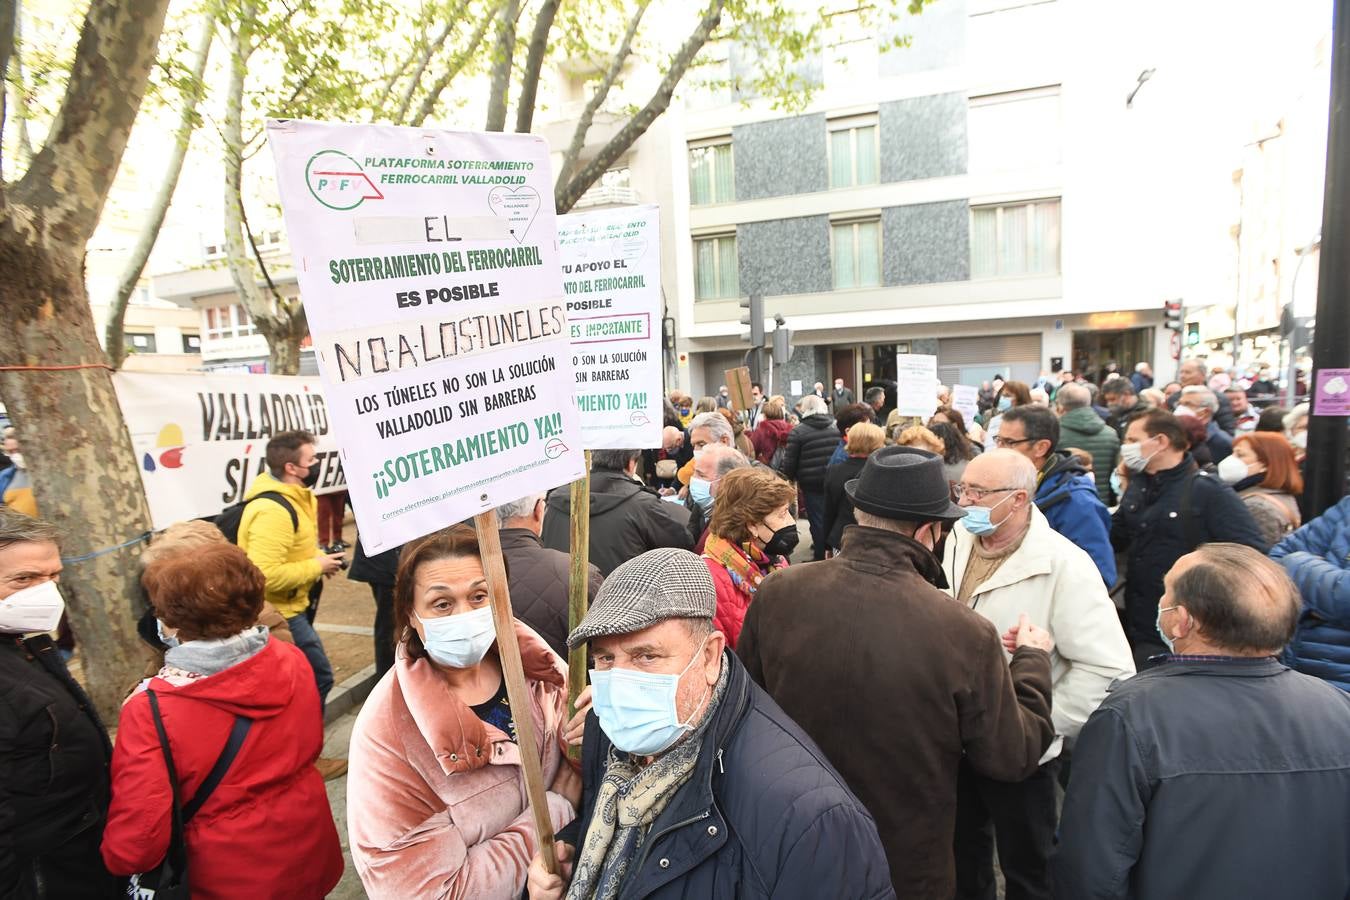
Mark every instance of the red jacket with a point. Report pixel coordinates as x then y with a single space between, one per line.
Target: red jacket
267 830
767 437
731 603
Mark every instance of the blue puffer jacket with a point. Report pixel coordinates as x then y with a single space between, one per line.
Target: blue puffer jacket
1068 498
763 815
1317 557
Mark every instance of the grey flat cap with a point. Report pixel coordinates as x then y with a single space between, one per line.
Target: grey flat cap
660 584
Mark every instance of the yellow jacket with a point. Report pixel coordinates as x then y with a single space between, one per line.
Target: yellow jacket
288 557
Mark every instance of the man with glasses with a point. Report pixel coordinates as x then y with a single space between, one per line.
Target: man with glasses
1006 563
1065 493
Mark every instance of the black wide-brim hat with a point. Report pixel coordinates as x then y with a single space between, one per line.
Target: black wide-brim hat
904 483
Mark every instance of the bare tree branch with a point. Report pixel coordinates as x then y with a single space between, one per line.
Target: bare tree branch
453 68
411 87
566 197
602 90
534 63
503 52
145 241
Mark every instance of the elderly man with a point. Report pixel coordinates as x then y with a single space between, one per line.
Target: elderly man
1122 402
805 458
1203 403
1169 508
53 750
1081 427
842 396
1245 416
713 461
1064 490
627 518
1004 562
875 398
1142 379
897 683
1192 373
1220 773
698 785
538 574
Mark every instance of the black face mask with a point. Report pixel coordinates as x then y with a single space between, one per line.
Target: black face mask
783 542
312 476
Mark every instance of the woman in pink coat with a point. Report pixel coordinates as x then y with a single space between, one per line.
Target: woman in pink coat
436 802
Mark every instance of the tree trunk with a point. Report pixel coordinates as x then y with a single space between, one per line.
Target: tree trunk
503 52
159 207
534 63
283 343
85 473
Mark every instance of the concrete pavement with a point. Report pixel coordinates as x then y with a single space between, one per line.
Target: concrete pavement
337 737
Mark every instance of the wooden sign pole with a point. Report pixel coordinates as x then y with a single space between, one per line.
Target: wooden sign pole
508 648
578 593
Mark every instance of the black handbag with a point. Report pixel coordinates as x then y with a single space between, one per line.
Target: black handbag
169 880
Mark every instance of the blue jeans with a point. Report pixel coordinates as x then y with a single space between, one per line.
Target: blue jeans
307 639
815 515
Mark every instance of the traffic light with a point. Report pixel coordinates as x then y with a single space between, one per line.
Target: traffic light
1173 316
754 317
782 340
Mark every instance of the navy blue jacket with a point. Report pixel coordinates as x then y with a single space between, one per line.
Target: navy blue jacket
763 815
1209 779
1317 557
1067 496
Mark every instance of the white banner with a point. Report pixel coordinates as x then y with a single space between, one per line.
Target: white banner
966 401
200 439
428 265
611 261
916 384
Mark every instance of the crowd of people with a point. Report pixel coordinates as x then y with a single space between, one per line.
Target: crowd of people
1085 638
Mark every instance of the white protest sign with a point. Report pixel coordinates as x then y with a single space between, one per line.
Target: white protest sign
428 265
611 262
966 400
200 439
916 384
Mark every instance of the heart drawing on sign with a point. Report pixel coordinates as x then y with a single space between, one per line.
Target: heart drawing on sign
632 249
518 206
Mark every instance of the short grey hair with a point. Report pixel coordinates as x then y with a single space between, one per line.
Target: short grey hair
16 528
1294 416
1243 600
729 461
612 460
866 519
1140 367
1072 396
812 405
717 425
519 509
1207 398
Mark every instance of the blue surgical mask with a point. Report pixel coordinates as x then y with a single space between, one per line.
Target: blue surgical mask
700 490
168 640
1171 647
459 641
637 709
1116 484
1004 402
977 520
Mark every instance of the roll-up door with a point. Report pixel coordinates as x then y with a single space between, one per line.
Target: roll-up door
972 360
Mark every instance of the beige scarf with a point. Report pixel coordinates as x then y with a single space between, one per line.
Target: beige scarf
629 800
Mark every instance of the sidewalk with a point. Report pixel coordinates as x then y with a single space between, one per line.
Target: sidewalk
337 737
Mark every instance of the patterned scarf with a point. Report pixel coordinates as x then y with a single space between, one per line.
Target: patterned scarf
629 800
746 564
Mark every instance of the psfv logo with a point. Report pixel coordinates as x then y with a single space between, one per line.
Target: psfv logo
338 182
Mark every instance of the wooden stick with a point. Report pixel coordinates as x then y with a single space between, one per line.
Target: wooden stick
508 648
578 594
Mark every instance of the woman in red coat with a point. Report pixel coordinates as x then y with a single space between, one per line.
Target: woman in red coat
771 432
266 830
752 533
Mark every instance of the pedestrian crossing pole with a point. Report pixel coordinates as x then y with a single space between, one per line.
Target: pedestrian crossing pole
577 590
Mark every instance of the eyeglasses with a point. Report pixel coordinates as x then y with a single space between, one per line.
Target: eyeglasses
960 490
1005 443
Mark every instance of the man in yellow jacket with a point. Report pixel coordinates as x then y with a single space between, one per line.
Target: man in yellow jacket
286 550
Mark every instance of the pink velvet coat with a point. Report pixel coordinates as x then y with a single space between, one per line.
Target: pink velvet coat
436 802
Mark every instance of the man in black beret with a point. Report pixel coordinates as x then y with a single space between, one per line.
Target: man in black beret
894 681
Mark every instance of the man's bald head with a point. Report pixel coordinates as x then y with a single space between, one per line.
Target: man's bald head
1243 603
1000 468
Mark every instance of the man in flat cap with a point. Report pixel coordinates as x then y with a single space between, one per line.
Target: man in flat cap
896 681
696 783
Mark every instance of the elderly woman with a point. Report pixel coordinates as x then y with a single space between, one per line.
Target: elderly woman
436 793
863 439
751 534
265 830
1263 471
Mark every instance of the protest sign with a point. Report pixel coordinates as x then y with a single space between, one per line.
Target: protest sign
738 388
611 262
200 439
429 270
916 384
966 400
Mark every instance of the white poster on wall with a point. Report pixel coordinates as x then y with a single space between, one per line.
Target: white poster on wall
916 384
428 266
611 262
200 440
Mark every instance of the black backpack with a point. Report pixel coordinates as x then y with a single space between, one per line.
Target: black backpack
230 517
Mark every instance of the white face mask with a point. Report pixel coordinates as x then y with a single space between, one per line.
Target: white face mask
1232 469
1300 440
459 641
1132 455
31 610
